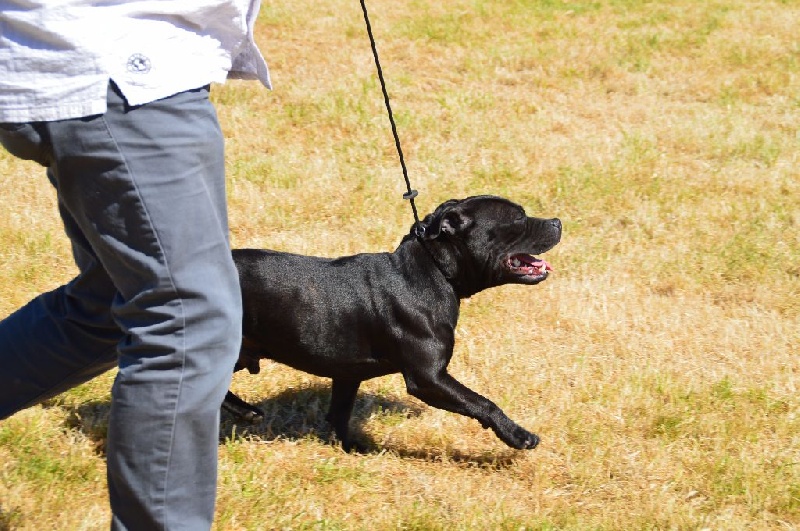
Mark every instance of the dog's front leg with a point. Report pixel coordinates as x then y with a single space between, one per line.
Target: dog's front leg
442 391
343 396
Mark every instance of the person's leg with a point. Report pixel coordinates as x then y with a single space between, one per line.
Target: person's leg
57 341
64 337
146 187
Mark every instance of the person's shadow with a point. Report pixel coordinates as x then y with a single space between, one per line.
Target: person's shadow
299 413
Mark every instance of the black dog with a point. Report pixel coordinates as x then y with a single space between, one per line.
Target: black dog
358 317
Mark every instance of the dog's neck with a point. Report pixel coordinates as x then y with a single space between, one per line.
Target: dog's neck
448 267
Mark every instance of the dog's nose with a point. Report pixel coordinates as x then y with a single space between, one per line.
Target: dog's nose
556 223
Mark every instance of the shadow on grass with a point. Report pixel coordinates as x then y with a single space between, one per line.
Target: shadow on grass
299 413
489 460
296 413
8 519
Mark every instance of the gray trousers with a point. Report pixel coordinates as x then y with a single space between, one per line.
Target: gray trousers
141 192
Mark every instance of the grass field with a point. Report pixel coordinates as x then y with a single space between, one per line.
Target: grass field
659 363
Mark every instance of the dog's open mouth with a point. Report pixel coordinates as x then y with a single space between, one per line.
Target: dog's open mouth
527 266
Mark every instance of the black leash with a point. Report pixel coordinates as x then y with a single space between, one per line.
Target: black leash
410 194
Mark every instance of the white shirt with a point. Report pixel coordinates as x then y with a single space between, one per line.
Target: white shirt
57 56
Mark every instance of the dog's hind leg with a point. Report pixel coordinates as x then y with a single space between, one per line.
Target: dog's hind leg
343 397
242 409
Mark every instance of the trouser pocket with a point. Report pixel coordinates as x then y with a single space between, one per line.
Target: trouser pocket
26 141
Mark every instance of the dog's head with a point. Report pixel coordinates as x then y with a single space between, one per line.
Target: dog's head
485 241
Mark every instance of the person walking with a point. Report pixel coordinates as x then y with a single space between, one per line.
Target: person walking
112 98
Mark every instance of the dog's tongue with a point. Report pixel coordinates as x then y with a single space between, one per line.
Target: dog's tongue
530 261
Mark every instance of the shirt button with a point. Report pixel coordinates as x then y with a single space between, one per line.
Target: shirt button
138 64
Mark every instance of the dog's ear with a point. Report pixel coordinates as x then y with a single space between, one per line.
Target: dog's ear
447 219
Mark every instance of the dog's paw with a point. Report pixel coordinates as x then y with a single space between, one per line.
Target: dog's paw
354 447
522 439
253 417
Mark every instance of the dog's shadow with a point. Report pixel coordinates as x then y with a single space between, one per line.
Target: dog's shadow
297 414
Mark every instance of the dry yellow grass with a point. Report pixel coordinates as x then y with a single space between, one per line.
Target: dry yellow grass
659 363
